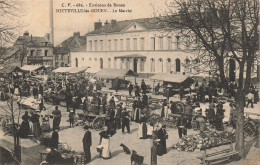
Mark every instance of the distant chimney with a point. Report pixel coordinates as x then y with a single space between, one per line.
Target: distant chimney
76 34
47 36
113 22
97 25
26 33
106 23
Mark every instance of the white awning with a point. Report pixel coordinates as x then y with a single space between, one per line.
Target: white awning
32 67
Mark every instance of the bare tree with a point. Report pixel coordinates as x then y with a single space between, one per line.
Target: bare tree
216 31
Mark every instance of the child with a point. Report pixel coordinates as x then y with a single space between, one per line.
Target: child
71 118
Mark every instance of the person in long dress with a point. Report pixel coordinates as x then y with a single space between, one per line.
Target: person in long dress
105 143
87 142
36 129
25 127
162 136
142 131
55 139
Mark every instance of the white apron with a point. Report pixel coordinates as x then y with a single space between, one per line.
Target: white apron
105 143
149 130
166 113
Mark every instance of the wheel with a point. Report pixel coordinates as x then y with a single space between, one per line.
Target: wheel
98 123
180 106
249 128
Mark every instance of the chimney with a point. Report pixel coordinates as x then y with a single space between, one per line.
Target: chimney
106 23
97 25
51 23
113 22
26 33
47 36
76 34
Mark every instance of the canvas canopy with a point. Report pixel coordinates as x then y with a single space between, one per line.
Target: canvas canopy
31 68
10 69
78 69
114 73
174 78
62 69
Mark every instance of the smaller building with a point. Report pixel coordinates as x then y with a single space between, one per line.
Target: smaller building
62 56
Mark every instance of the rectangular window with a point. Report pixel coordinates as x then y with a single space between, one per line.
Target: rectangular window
177 42
46 53
121 44
152 43
101 45
135 43
109 45
90 45
39 52
115 44
142 43
61 57
95 45
161 43
169 43
128 44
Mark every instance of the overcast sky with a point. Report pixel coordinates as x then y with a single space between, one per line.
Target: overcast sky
36 17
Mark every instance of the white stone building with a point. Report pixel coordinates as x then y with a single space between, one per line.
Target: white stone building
133 44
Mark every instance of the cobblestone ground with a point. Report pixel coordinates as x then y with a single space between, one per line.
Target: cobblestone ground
73 137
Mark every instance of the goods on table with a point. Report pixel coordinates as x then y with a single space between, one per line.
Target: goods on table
29 102
204 140
64 148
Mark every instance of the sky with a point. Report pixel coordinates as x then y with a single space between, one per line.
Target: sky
36 15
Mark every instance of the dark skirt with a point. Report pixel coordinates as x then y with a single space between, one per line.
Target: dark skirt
161 148
24 129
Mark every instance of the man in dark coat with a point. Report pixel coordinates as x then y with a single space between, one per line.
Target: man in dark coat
55 139
162 136
41 89
145 100
125 121
182 126
87 142
143 86
130 89
35 92
137 90
104 103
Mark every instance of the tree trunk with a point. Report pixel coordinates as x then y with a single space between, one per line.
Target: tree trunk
240 102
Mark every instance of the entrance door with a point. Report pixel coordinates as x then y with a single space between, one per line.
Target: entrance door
135 65
232 69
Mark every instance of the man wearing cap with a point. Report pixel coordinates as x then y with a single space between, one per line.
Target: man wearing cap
118 113
182 126
130 89
87 142
143 86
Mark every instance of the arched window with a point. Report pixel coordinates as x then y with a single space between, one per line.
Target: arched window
62 64
160 67
76 62
142 64
169 63
178 65
109 63
95 59
101 63
89 59
152 65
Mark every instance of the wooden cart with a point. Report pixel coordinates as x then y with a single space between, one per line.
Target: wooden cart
251 125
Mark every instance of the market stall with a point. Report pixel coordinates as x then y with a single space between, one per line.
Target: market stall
115 77
173 82
33 68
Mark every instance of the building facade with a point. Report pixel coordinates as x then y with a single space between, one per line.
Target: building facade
133 44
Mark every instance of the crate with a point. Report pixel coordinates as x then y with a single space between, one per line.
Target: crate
79 159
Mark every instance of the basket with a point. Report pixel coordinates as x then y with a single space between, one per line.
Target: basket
195 125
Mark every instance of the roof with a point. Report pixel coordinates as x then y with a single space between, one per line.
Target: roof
75 43
71 69
114 73
131 56
33 41
10 69
176 78
78 69
92 70
32 67
60 50
148 23
62 69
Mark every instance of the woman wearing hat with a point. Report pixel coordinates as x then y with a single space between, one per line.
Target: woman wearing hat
36 129
162 136
105 143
